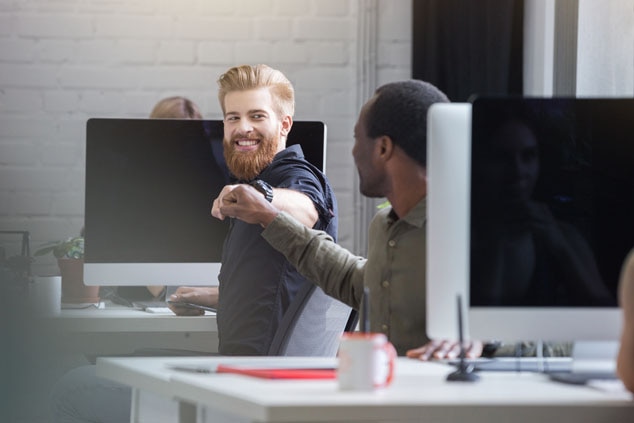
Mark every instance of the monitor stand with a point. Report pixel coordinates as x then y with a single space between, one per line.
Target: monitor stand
465 371
594 355
591 360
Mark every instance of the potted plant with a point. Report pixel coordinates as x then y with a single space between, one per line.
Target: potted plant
70 259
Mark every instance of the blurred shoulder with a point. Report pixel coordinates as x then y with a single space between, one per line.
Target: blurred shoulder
626 287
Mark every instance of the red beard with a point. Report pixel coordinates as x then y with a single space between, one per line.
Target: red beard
246 165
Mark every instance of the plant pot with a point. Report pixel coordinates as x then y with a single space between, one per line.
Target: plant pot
73 289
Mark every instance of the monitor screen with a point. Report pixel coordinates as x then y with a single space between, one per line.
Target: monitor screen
150 184
551 206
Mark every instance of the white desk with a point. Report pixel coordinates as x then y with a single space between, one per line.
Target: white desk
42 349
419 394
121 330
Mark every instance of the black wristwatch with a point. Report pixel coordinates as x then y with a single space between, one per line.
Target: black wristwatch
264 188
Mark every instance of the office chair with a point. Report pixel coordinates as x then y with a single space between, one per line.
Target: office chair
303 330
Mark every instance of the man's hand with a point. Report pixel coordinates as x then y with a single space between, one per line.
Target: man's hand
445 349
245 203
215 209
207 296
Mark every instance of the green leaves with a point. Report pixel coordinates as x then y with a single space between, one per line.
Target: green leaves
70 248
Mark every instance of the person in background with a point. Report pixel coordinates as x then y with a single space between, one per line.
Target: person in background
625 358
176 107
390 155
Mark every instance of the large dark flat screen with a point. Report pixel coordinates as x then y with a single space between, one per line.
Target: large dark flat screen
150 184
552 200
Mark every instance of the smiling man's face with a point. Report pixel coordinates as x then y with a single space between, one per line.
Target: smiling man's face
253 132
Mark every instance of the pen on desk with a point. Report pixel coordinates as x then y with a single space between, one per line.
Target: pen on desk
365 310
192 369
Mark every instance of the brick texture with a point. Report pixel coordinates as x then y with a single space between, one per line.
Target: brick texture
64 62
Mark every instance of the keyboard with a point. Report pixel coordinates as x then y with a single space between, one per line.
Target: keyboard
518 364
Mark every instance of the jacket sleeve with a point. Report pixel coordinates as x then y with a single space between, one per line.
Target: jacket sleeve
316 256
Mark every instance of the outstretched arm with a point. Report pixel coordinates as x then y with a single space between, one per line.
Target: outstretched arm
314 253
246 203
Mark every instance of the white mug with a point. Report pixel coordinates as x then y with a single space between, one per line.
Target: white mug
366 361
45 295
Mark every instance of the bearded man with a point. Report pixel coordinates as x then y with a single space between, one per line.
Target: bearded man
257 283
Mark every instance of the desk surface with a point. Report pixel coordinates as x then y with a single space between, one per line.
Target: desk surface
122 330
115 318
419 393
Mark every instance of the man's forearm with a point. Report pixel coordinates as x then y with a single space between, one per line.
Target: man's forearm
316 256
295 203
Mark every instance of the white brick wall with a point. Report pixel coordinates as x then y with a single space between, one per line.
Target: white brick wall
62 62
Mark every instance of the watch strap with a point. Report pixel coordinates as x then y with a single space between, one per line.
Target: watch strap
264 187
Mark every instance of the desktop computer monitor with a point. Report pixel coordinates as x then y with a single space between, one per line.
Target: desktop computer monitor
150 184
587 174
448 164
551 207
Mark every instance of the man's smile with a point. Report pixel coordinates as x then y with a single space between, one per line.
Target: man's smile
245 144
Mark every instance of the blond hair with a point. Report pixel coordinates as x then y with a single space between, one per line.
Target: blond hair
247 77
176 108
